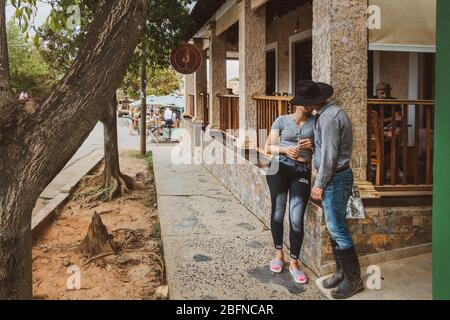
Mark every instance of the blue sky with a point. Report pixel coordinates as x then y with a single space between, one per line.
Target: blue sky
43 10
232 69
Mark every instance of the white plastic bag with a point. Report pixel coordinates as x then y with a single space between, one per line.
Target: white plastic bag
355 206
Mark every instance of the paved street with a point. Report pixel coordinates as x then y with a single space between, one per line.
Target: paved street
95 140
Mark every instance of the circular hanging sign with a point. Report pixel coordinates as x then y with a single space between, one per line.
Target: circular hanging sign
186 58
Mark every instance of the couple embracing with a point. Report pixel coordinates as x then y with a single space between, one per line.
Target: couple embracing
295 140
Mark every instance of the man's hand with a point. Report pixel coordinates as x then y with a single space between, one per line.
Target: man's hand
317 194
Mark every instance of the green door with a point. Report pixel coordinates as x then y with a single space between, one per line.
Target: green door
441 207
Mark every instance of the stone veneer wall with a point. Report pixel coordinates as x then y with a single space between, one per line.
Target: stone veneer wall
279 31
383 230
340 58
394 69
386 229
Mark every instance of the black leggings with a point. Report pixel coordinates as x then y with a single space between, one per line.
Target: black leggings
295 181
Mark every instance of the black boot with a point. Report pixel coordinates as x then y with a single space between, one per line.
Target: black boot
352 282
336 279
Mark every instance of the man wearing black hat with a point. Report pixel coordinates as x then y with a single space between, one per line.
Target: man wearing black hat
334 181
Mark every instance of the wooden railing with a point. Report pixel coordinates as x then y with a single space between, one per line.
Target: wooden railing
268 108
405 160
229 113
400 144
205 107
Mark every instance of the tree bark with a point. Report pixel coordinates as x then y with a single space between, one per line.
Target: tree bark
37 141
114 180
5 82
143 123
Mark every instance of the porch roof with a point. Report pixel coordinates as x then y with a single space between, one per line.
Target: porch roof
202 12
205 9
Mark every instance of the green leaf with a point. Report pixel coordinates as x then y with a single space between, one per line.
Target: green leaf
52 23
25 26
36 40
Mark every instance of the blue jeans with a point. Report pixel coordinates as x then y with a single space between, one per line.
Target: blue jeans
335 199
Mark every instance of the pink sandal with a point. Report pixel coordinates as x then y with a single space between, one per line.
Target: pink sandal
299 276
276 266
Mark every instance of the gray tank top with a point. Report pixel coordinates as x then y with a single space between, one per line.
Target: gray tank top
290 133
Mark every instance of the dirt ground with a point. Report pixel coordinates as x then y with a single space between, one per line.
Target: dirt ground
137 270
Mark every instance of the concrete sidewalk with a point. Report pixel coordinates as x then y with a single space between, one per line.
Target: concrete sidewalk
214 247
59 189
403 279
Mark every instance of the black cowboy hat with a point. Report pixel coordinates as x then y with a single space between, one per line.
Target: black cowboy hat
308 93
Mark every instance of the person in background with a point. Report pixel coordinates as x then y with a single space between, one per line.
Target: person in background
136 117
391 117
169 117
177 118
154 117
383 91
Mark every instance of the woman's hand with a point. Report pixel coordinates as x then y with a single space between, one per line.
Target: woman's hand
293 152
306 144
317 194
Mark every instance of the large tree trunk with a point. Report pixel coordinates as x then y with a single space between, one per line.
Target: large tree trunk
37 142
5 84
114 181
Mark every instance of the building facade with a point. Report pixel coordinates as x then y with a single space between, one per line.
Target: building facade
352 45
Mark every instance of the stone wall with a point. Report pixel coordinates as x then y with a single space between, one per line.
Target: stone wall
279 31
383 231
394 69
387 229
217 74
252 68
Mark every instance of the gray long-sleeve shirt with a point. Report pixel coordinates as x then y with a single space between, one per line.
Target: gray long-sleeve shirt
333 136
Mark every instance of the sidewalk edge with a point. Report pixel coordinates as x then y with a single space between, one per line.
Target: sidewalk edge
44 217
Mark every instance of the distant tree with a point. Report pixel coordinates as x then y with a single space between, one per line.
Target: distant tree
29 71
5 83
161 81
